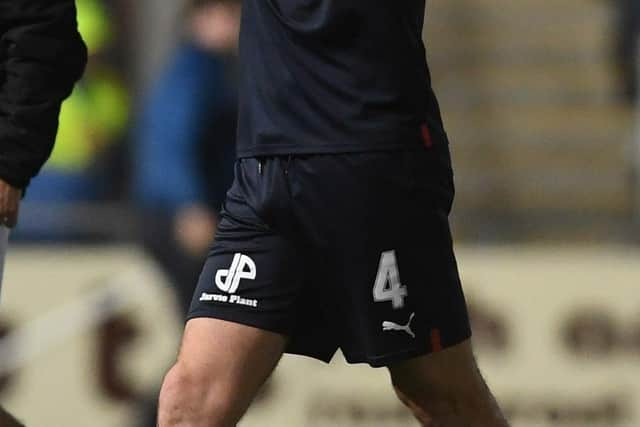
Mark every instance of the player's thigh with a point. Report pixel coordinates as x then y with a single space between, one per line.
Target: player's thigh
229 359
448 375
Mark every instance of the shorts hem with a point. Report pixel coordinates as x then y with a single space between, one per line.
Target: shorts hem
389 359
270 326
326 358
274 327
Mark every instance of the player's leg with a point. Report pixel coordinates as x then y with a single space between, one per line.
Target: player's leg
221 367
245 304
401 301
446 389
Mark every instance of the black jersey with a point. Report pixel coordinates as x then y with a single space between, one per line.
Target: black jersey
333 76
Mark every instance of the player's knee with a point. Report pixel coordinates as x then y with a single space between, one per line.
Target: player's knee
444 386
435 394
191 399
430 405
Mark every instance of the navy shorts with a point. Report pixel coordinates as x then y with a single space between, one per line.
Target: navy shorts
349 251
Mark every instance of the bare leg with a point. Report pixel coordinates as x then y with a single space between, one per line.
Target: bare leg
446 389
220 369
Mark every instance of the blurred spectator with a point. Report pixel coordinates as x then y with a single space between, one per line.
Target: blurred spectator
185 148
92 120
185 143
629 46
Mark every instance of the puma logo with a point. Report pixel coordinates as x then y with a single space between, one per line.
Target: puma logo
391 326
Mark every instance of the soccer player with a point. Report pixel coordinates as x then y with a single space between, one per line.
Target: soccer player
335 232
41 57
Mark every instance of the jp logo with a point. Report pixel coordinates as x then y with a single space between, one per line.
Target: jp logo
242 267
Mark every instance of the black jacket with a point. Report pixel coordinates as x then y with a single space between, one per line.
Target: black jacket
41 57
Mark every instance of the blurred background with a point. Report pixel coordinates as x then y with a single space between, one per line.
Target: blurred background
540 102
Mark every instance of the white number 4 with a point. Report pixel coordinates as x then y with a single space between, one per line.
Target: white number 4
388 286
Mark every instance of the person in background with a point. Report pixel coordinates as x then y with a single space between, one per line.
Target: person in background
628 49
184 150
92 121
42 56
184 146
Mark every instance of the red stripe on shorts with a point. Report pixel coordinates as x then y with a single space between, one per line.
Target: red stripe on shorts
436 342
426 136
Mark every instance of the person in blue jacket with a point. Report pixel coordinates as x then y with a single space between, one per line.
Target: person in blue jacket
184 151
184 146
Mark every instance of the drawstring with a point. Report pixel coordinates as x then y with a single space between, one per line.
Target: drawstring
286 167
